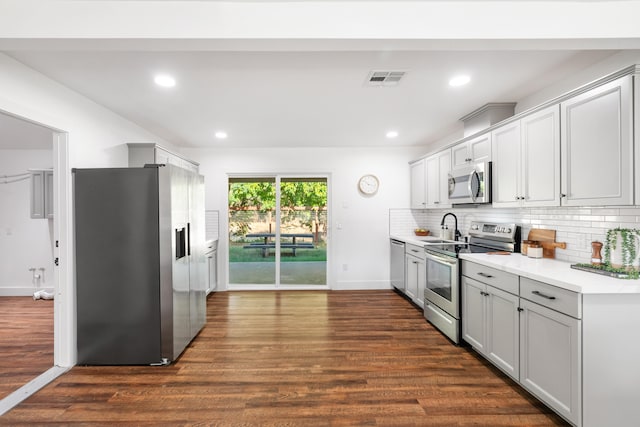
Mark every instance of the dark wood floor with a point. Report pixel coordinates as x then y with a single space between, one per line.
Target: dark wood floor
26 341
341 358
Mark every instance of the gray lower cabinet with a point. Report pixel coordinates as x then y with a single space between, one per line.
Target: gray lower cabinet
503 331
416 273
530 330
416 279
550 358
490 324
474 307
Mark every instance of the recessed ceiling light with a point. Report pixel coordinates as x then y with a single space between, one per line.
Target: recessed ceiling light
164 80
392 134
220 135
460 80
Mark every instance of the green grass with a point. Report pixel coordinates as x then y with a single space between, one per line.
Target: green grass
238 254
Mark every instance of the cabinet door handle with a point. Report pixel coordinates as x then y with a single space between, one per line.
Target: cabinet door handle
488 276
520 309
540 294
562 195
483 293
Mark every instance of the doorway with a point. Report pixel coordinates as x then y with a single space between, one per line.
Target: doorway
278 231
32 215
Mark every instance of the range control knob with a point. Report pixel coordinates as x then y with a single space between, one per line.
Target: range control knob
507 230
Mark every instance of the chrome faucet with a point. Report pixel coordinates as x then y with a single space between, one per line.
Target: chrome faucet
456 235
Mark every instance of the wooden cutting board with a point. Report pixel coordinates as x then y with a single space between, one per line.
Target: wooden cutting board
547 239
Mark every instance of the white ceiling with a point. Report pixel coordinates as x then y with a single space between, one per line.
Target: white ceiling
292 73
312 98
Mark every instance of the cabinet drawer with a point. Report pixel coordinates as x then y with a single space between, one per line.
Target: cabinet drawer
416 251
553 297
500 279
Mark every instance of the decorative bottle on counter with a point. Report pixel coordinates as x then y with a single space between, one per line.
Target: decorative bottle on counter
596 257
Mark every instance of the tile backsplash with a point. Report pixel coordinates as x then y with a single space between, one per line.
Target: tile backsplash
578 227
212 224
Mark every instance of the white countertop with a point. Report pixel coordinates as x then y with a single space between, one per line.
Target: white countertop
415 240
551 271
557 273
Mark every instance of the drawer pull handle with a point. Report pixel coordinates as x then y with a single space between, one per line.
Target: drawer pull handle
413 250
540 294
488 276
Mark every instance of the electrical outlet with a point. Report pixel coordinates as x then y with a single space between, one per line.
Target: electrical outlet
583 242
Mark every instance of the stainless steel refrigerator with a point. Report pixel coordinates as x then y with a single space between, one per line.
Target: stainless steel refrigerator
140 263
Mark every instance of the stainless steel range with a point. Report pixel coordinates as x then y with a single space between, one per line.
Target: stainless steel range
442 291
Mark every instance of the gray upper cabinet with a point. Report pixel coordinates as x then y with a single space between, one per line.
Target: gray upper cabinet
150 153
418 184
437 186
42 194
597 146
526 161
577 150
473 151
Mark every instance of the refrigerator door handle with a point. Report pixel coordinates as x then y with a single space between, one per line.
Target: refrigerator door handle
180 242
188 238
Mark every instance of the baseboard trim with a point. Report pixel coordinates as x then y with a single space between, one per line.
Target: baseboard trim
17 292
353 285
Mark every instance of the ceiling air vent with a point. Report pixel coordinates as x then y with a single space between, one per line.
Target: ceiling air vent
384 78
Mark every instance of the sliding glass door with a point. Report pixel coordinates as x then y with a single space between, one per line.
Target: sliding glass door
303 231
278 231
252 203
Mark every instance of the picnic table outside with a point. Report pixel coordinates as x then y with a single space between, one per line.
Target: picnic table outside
268 242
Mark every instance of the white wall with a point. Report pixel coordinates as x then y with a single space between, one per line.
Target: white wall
96 135
24 242
96 138
607 66
359 226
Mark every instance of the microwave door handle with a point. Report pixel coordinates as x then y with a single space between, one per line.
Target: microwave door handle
470 187
472 194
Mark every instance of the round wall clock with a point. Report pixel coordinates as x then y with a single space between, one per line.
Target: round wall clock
368 184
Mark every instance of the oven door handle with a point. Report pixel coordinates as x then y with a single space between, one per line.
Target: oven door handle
449 261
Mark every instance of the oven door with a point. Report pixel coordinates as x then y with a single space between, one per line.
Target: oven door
442 286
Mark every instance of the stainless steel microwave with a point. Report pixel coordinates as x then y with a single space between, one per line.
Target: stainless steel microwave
470 185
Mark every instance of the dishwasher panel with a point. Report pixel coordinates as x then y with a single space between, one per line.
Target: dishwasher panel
397 265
